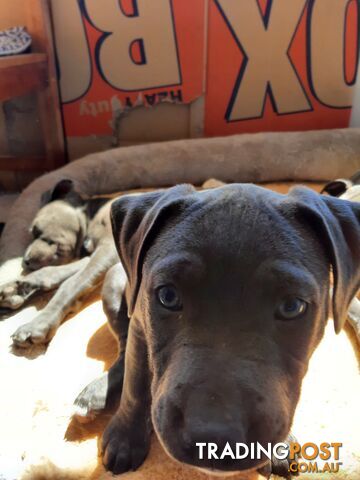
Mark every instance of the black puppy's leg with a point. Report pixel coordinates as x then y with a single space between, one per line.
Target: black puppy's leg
105 391
43 327
285 468
14 294
126 440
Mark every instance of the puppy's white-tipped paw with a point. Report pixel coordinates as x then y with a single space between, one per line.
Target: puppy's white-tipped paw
92 400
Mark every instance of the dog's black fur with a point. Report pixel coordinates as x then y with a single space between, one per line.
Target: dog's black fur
338 187
228 297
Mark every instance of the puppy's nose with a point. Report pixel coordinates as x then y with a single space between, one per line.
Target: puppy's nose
211 432
215 423
29 264
214 436
26 262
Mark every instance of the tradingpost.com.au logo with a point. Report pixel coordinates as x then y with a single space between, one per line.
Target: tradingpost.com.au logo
328 453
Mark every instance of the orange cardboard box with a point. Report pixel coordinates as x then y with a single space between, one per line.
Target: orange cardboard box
256 65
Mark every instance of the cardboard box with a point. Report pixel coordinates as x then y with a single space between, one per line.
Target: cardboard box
220 66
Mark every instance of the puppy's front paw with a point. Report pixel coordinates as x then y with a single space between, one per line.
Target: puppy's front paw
14 294
92 400
38 331
282 468
124 447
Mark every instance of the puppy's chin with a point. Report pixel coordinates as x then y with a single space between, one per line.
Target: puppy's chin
219 473
250 474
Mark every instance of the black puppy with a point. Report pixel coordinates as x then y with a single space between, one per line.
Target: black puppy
228 297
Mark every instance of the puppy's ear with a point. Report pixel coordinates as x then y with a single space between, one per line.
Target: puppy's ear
336 224
65 189
136 221
59 191
337 187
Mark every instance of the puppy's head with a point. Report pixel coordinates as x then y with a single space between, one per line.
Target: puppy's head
58 228
231 287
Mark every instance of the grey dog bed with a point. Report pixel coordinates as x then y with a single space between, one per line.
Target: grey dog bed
264 157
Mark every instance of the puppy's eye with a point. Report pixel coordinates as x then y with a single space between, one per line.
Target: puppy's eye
169 297
291 308
35 231
49 241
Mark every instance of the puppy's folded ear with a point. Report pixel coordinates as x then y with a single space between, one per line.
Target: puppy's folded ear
136 221
59 191
63 190
337 187
336 224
